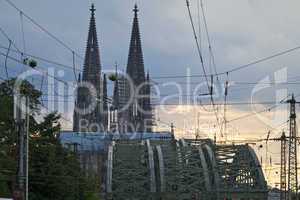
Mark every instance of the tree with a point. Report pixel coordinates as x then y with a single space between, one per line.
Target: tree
54 172
8 134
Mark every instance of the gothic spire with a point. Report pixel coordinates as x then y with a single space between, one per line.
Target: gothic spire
135 65
92 65
93 9
91 75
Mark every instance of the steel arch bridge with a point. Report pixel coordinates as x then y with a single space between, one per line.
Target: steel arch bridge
183 170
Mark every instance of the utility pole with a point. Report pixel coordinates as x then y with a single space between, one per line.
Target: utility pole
283 141
225 111
27 149
21 110
266 155
292 162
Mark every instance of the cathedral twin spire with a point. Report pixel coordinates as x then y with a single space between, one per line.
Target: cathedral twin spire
135 65
92 74
95 119
92 64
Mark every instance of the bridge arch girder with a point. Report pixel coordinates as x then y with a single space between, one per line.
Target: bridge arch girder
183 169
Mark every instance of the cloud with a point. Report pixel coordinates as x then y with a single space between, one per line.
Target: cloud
241 31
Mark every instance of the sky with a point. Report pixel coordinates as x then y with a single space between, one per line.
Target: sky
240 32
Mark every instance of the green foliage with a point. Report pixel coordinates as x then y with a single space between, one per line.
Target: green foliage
112 77
54 172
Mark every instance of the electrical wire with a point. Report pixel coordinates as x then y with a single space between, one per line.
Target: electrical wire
153 77
74 66
23 32
44 59
234 69
202 62
8 38
42 28
262 111
209 41
6 57
41 71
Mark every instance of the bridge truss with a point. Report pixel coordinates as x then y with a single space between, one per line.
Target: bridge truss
183 170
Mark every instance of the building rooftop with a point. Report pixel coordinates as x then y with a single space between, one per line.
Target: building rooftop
98 141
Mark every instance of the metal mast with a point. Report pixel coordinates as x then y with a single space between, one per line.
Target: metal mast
283 141
292 170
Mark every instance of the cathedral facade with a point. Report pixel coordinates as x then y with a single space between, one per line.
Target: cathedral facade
130 108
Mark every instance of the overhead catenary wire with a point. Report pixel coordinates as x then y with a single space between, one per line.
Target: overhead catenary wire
161 77
261 111
45 31
41 71
197 43
199 24
9 39
6 58
74 66
234 69
45 73
209 41
23 32
44 59
42 105
42 28
202 62
54 77
152 77
233 83
237 103
221 103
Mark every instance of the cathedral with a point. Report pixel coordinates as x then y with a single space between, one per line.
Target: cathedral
130 108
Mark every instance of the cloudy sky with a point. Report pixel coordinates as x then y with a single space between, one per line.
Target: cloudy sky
240 31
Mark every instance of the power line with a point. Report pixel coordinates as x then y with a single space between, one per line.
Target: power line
209 41
41 104
159 77
234 69
43 28
8 38
43 72
6 57
153 77
252 114
197 44
262 111
23 32
233 83
44 59
210 90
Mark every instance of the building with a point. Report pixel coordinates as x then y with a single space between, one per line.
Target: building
90 113
132 111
